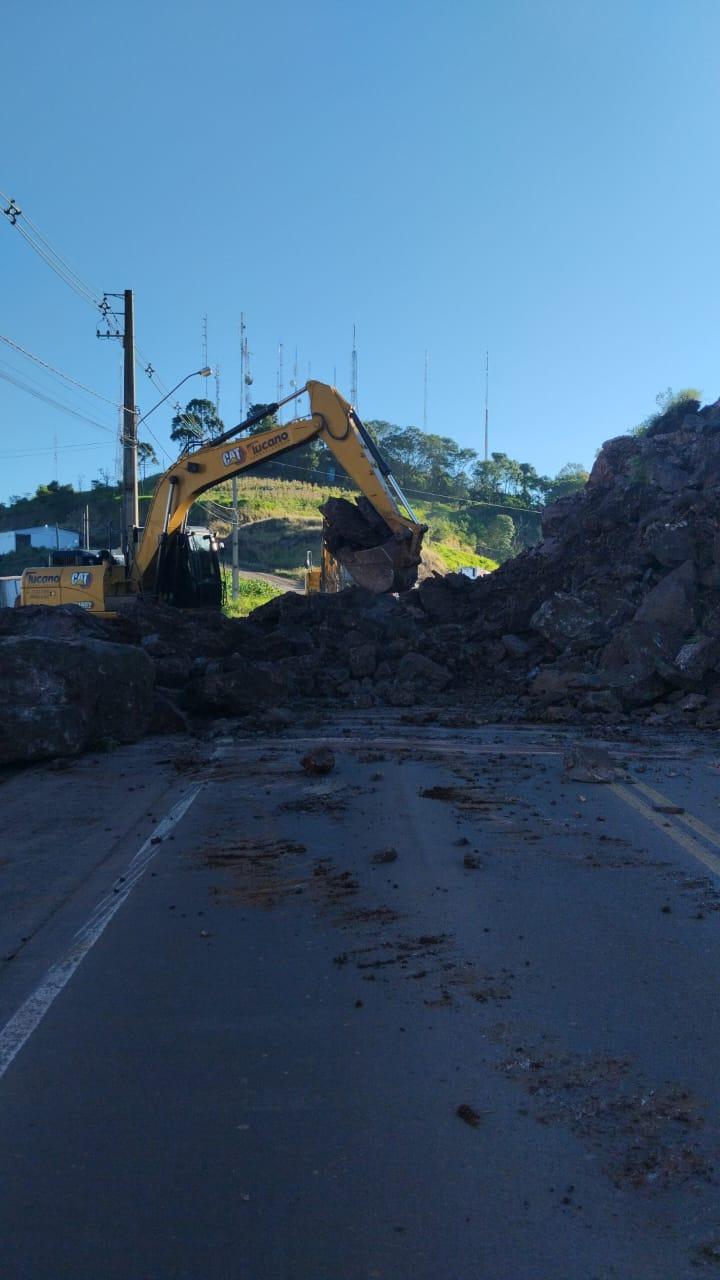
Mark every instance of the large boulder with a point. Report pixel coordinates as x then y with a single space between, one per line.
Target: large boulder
61 622
417 670
236 688
698 658
672 601
59 697
448 598
567 622
671 542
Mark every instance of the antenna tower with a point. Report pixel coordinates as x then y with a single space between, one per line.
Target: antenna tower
294 380
353 373
279 395
217 389
487 384
242 366
246 378
204 341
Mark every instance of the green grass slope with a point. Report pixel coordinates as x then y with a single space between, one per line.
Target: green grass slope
280 522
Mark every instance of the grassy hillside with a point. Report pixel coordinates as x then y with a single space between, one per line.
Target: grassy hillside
280 523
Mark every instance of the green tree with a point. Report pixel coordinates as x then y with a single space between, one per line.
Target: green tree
424 460
146 454
569 479
499 538
266 422
197 423
44 490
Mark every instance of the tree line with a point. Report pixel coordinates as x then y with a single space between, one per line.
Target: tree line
492 505
420 460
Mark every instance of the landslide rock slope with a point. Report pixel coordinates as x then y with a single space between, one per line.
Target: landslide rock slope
614 615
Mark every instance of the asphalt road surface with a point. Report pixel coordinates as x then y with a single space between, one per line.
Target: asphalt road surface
273 580
440 1014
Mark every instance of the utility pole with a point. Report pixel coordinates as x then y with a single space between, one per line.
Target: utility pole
130 512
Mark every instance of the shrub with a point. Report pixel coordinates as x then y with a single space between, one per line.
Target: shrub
671 404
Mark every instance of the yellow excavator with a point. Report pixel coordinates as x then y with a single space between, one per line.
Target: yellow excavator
378 540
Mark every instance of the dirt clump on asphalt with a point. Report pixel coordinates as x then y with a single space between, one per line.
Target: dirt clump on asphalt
384 857
318 760
466 1113
613 617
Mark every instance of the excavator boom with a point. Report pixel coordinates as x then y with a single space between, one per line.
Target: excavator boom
383 555
378 541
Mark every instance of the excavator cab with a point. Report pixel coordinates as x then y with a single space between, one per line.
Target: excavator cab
189 574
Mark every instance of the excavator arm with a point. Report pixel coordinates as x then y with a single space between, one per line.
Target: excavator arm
382 556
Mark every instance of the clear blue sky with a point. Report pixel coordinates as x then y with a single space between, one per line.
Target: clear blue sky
539 177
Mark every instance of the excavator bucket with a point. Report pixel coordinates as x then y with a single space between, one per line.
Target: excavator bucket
371 568
362 543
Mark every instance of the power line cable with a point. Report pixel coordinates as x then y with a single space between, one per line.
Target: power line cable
20 220
28 379
149 369
30 453
159 443
58 372
85 295
39 395
70 270
78 402
17 217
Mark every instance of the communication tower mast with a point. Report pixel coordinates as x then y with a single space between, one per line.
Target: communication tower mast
487 383
354 373
294 379
279 395
246 378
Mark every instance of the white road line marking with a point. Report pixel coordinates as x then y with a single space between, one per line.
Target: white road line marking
18 1030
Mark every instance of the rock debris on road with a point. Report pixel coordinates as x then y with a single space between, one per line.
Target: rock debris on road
267 1054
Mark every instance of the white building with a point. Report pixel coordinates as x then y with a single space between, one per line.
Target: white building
44 535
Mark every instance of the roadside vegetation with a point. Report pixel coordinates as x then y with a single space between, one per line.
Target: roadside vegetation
252 592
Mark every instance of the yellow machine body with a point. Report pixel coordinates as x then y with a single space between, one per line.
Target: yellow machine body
313 580
393 566
83 585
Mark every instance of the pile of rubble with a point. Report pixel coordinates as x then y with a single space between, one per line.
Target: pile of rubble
615 615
